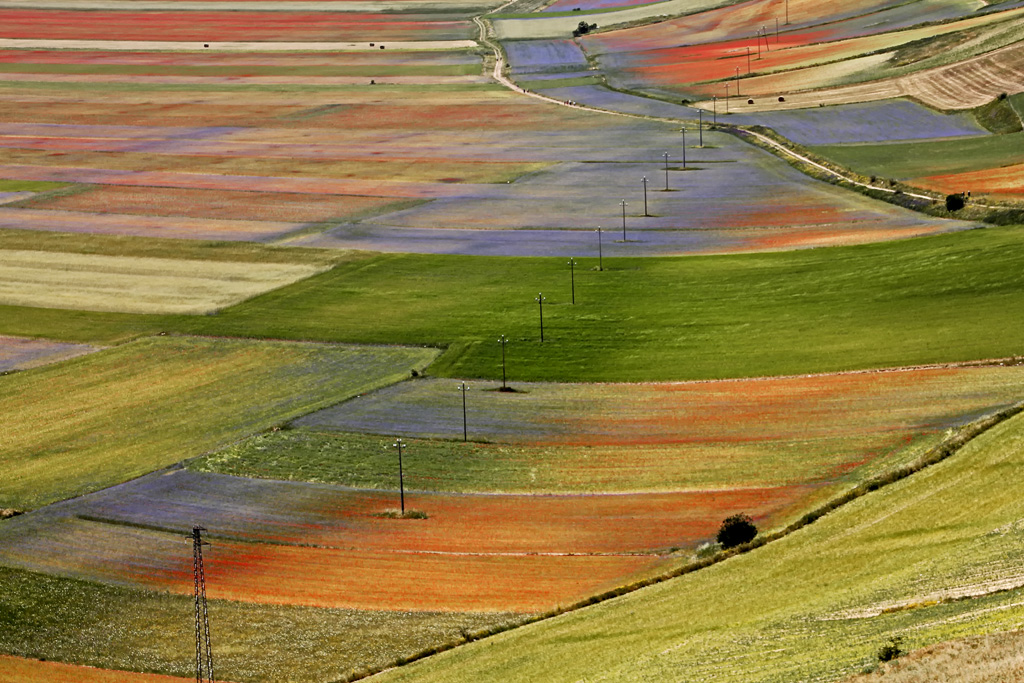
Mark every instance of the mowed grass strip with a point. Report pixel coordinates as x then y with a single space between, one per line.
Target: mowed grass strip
45 617
132 284
114 415
932 557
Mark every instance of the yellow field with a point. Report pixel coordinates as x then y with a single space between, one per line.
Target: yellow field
135 285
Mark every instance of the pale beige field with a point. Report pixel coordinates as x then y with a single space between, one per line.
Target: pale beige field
996 658
135 285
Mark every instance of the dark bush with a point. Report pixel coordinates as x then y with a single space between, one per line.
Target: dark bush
736 530
583 28
890 650
954 202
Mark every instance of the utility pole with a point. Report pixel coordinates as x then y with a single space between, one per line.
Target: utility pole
204 655
465 428
401 481
572 278
624 205
540 302
600 255
503 340
700 126
644 181
666 168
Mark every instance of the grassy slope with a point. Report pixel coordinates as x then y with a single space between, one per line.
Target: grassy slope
788 613
936 299
110 416
928 300
122 628
904 160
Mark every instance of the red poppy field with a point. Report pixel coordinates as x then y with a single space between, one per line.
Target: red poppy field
792 60
472 553
1006 180
216 204
205 27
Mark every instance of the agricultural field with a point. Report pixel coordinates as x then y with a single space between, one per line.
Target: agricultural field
811 65
840 588
18 670
110 416
246 246
983 165
644 437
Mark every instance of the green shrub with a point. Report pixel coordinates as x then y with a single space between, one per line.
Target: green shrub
736 530
890 650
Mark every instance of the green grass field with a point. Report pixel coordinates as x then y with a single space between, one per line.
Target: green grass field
104 418
904 160
934 299
933 557
937 299
60 619
29 186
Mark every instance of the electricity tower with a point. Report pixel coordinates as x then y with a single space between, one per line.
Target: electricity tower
204 665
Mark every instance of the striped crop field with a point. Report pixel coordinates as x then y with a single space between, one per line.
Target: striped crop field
932 558
109 416
643 437
224 205
135 285
471 554
811 58
299 147
210 26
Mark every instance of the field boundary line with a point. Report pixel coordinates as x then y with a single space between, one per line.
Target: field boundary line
947 448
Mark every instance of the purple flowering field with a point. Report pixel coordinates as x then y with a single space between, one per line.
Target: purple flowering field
528 56
882 121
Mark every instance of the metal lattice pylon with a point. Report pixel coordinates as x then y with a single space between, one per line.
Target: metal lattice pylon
204 655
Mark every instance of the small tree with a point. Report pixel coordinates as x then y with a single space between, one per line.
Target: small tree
736 530
954 202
